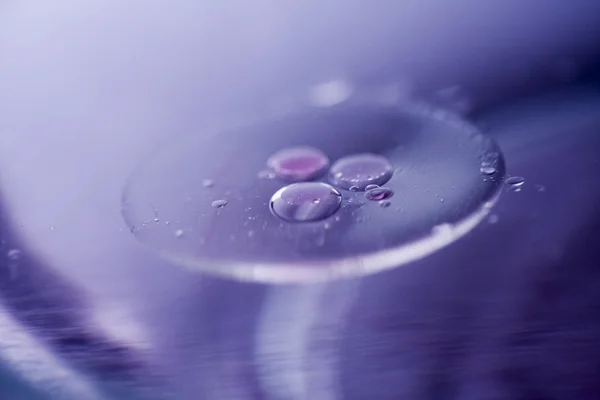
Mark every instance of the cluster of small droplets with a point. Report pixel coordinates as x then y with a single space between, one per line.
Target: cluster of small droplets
311 201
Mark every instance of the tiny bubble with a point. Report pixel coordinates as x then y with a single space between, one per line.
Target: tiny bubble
208 183
179 233
219 203
385 203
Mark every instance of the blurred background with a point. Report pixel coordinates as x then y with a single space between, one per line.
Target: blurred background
87 91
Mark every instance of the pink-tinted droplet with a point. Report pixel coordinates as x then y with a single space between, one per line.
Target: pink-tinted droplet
296 164
378 194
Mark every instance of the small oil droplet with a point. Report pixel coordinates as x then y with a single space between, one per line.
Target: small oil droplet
371 187
487 170
379 193
354 188
219 203
515 183
385 203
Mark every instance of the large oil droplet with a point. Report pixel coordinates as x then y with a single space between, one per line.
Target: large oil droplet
440 159
305 202
361 170
300 163
379 193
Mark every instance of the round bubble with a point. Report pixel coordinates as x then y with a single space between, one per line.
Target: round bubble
305 202
361 170
440 158
300 163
